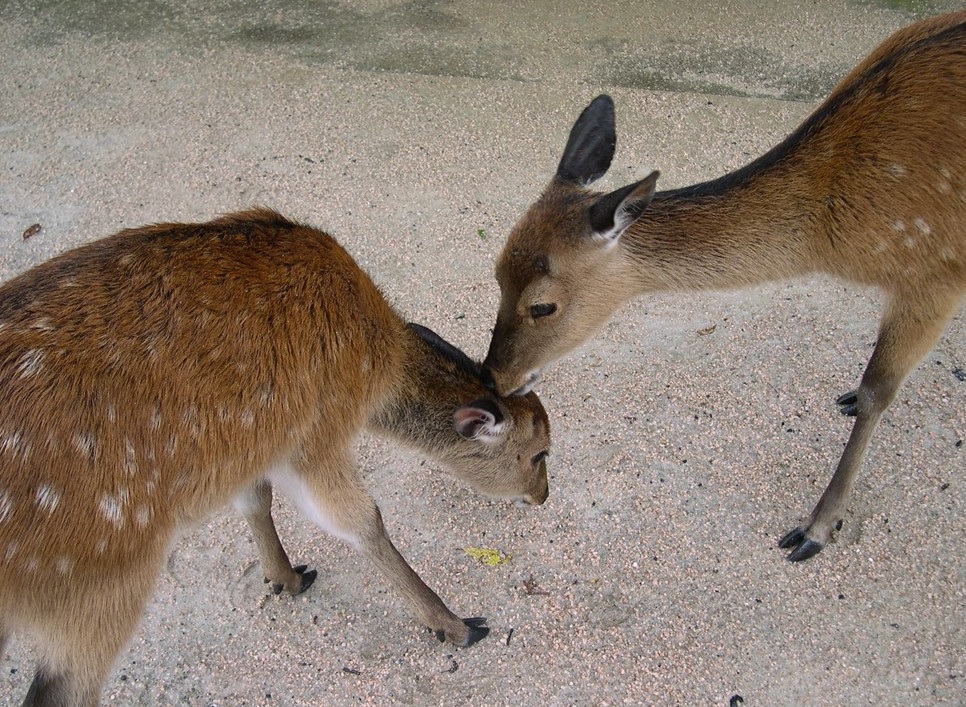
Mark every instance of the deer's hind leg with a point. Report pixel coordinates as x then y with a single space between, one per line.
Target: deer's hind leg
326 485
58 689
83 625
255 503
910 327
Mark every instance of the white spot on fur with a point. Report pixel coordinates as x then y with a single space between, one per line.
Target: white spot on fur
151 347
111 509
13 444
947 255
64 565
43 324
11 552
6 505
909 242
86 444
111 413
156 417
30 363
130 458
897 170
922 226
142 516
47 498
33 563
172 446
247 418
898 226
100 547
10 442
190 420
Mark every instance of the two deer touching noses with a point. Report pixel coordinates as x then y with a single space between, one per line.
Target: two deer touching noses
158 374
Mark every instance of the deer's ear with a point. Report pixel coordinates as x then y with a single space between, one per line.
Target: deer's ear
590 147
482 419
613 213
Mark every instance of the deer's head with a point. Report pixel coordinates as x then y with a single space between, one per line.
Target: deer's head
561 274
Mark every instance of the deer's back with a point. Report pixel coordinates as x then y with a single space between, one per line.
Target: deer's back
886 159
148 376
875 178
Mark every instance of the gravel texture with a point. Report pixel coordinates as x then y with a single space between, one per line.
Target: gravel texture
688 436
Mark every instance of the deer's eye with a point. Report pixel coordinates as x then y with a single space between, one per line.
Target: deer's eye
542 310
538 457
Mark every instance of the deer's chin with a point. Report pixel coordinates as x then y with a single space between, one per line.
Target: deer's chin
529 382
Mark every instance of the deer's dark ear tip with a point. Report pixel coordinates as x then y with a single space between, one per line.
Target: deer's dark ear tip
603 107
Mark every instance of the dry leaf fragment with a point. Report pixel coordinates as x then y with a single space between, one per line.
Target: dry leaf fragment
32 231
487 556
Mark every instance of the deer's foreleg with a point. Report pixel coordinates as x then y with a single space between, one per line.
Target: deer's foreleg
910 327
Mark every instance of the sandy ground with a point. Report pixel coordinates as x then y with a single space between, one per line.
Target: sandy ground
690 435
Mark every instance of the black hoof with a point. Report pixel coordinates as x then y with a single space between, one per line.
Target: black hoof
807 549
308 578
477 631
804 546
848 403
792 539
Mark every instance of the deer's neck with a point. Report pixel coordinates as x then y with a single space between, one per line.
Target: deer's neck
419 409
736 231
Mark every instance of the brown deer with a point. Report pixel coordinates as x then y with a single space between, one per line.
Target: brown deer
870 188
153 376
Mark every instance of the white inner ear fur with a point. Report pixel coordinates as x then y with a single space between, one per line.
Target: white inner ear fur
485 427
623 218
490 432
